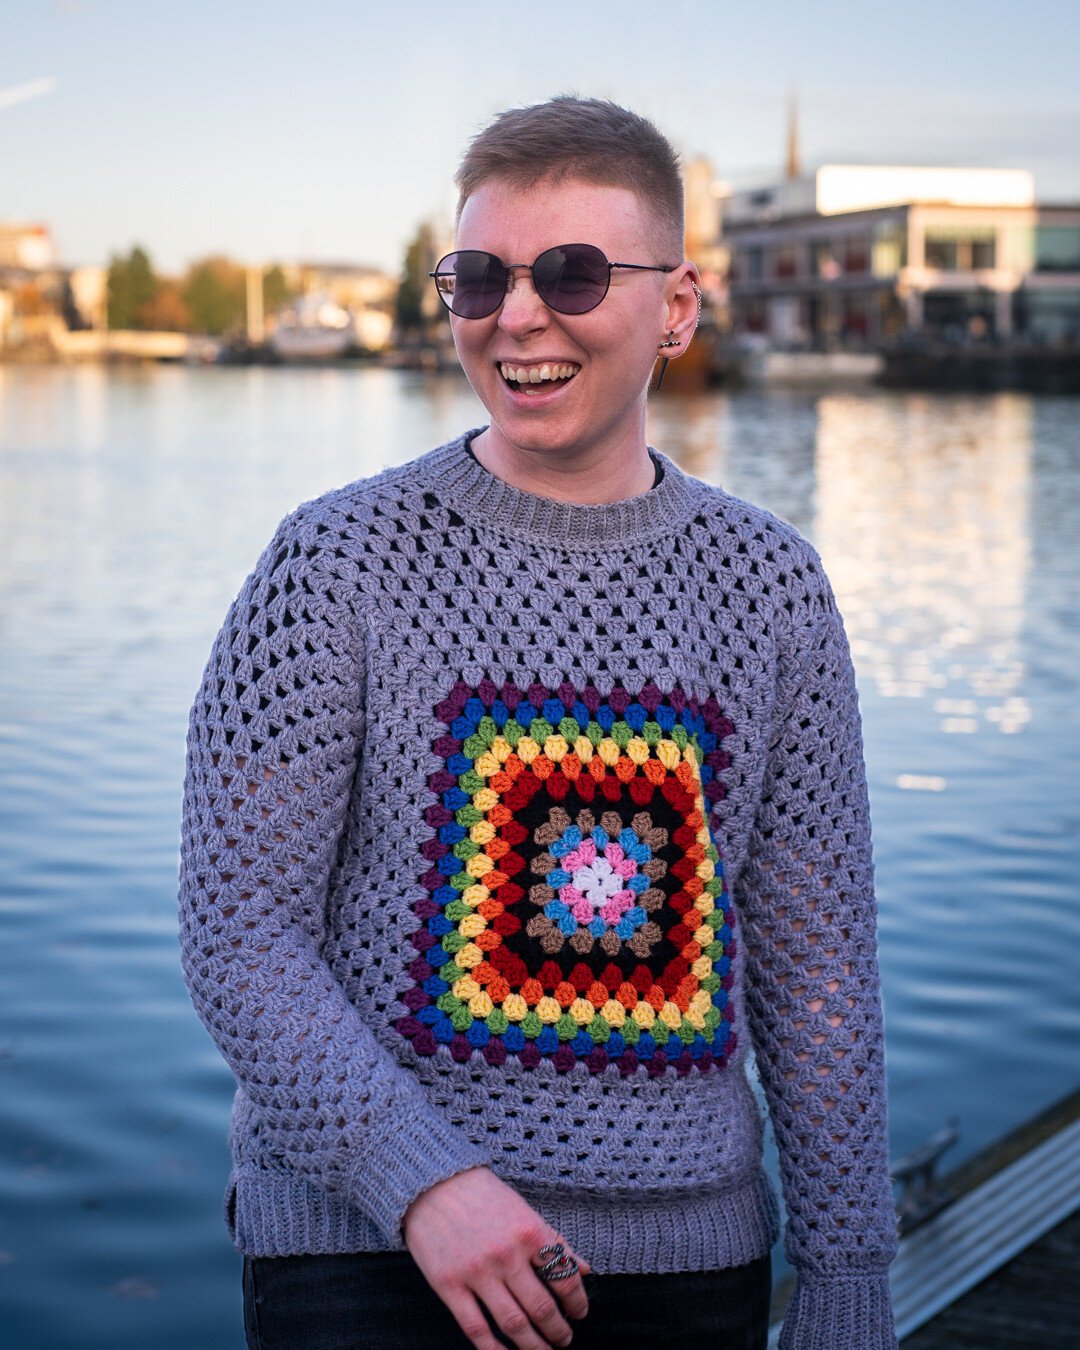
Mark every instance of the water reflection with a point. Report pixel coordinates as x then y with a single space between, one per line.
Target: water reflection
132 504
923 522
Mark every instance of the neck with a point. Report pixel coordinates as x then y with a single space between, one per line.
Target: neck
594 476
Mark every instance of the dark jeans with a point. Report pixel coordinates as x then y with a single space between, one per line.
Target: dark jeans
380 1301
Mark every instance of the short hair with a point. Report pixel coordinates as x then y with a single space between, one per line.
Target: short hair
590 139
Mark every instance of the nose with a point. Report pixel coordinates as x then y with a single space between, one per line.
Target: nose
522 311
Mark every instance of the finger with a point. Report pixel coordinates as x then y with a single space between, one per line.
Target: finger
571 1295
470 1318
530 1323
570 1292
537 1299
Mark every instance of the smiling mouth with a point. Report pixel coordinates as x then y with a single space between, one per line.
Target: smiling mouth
538 379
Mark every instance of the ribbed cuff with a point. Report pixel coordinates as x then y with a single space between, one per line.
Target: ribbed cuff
390 1177
850 1312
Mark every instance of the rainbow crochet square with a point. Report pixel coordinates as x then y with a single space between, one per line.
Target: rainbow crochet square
575 905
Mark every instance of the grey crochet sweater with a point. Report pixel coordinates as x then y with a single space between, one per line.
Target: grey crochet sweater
510 825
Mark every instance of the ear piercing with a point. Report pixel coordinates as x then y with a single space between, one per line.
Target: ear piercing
671 340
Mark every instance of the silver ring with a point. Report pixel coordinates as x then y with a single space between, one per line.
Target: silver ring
558 1264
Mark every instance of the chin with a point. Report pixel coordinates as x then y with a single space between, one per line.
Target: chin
535 440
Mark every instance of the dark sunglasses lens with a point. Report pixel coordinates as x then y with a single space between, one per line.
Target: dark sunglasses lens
471 283
571 279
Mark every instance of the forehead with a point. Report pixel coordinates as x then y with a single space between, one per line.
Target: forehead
506 219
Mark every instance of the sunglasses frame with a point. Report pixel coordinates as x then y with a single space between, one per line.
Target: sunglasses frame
510 268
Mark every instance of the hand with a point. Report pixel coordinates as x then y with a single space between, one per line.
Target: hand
475 1240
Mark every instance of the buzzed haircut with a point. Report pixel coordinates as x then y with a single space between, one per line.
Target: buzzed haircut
590 139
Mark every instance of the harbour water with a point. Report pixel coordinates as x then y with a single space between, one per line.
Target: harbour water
132 505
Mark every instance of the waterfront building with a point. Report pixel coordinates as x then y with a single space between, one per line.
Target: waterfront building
40 298
860 255
28 247
703 236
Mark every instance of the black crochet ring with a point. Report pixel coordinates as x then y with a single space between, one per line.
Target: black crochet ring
560 1265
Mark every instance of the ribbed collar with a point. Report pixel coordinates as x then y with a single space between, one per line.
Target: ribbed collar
463 483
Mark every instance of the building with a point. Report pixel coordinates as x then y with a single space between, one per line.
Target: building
39 298
27 247
857 255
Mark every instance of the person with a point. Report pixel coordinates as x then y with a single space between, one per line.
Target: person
525 793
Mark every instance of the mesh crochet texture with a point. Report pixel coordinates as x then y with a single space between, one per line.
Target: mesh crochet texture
331 825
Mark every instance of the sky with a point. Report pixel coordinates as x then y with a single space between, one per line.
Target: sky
328 130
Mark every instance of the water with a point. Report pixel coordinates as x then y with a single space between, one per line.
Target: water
132 505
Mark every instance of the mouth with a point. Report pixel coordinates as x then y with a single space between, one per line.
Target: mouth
544 378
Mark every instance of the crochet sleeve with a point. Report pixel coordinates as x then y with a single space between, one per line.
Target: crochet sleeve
809 913
273 741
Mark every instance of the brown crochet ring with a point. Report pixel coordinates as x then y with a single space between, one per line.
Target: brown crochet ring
560 1265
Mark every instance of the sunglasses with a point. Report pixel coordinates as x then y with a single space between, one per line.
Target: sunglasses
570 279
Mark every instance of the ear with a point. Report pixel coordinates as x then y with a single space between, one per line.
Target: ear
682 311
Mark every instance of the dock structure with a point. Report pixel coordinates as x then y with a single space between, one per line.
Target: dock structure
1033 1300
992 1265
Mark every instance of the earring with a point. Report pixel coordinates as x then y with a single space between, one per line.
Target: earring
672 340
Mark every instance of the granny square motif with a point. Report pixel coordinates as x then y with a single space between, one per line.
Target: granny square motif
575 905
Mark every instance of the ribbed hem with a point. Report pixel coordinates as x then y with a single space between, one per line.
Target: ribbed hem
286 1216
661 1237
852 1312
464 484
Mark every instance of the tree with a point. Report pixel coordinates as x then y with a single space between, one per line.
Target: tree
409 311
276 290
215 292
166 311
132 284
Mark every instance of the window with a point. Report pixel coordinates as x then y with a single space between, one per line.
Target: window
960 248
942 253
1048 316
823 260
786 261
889 251
855 320
856 255
1057 248
959 314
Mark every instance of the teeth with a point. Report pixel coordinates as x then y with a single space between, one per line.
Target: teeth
538 374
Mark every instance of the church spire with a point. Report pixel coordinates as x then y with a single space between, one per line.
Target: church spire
794 169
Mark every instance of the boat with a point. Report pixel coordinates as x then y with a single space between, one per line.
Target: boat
313 327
